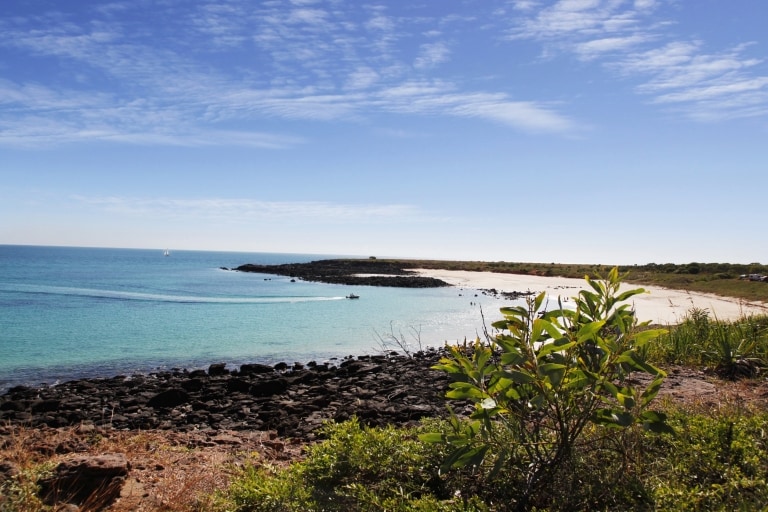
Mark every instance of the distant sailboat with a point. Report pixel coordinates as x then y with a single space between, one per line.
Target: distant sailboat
166 252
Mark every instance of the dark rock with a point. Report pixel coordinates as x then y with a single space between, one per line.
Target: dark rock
46 405
238 386
192 385
8 470
217 369
255 369
93 480
169 398
269 387
349 272
386 389
12 406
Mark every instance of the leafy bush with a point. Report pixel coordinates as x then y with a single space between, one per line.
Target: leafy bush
546 378
716 462
354 468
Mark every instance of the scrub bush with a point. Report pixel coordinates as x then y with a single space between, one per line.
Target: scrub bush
538 386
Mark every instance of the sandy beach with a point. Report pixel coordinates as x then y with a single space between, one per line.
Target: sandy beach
658 305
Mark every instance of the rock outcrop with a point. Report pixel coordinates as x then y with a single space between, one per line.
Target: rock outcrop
86 481
349 272
292 400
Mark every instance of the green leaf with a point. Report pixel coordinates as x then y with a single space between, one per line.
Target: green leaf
499 384
613 418
518 377
629 293
651 391
589 330
554 346
627 401
656 422
463 391
514 358
432 437
472 457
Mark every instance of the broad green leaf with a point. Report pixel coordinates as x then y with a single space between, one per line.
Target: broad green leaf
589 330
632 358
626 401
432 437
578 379
651 391
471 457
518 377
514 358
656 422
613 418
554 372
463 391
499 384
554 346
629 293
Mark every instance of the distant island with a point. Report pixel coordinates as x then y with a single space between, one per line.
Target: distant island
369 272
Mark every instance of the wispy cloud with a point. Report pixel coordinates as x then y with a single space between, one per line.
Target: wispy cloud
431 54
186 81
248 210
629 37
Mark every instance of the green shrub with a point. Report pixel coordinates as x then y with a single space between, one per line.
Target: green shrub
716 462
546 378
355 468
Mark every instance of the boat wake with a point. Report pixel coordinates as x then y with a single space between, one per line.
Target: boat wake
156 297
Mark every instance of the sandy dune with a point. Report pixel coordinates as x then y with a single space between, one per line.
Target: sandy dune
659 305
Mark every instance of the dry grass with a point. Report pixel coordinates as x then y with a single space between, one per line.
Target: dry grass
168 471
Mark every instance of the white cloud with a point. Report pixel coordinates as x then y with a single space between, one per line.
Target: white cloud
625 37
431 54
309 16
300 61
362 78
246 210
597 48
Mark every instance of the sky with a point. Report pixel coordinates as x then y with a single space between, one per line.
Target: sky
571 131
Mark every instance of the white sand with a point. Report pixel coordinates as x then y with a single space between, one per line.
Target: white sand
659 305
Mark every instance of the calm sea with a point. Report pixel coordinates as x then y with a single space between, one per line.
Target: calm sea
82 312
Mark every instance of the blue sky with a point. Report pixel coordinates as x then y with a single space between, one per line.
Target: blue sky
598 131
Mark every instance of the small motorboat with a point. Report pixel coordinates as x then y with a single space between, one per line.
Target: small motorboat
353 296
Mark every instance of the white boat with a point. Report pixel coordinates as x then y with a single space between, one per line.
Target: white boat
166 252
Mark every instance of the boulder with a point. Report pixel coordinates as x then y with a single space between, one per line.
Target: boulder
92 481
169 398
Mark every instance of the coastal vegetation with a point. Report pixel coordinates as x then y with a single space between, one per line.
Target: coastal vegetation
719 278
725 279
560 411
552 416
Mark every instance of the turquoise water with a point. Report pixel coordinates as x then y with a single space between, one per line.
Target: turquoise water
81 312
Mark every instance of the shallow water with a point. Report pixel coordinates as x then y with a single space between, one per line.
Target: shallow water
76 312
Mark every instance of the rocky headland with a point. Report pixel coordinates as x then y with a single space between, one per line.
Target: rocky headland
370 272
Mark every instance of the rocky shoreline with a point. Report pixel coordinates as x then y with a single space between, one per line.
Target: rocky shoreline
370 272
292 400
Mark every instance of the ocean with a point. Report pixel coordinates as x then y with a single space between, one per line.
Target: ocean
68 313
